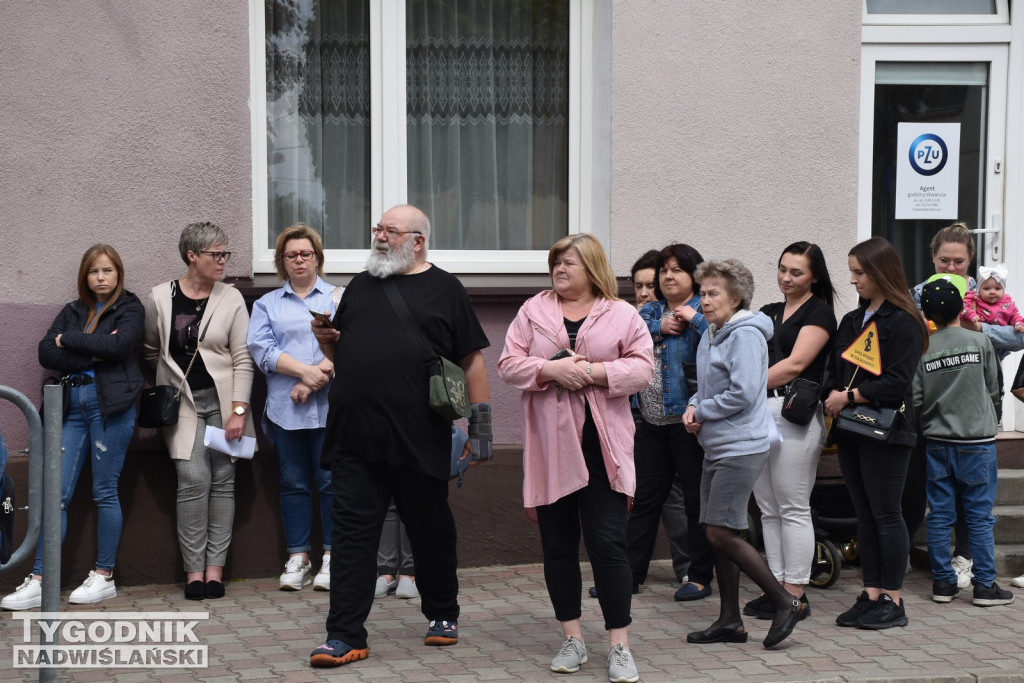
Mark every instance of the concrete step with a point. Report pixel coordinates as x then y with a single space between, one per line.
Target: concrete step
1009 561
1009 524
1011 487
1009 527
1010 450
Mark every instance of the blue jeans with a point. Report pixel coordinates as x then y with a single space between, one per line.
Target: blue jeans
1004 338
298 455
969 470
86 433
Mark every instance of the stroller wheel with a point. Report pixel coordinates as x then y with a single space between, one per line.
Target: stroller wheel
826 564
850 551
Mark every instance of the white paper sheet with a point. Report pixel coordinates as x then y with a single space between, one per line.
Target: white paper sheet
215 439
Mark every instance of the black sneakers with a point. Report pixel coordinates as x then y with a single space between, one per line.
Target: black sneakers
944 592
859 609
989 596
884 613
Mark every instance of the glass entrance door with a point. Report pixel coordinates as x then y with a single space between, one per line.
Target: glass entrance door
963 85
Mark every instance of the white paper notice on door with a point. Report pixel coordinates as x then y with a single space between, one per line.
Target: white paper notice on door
927 170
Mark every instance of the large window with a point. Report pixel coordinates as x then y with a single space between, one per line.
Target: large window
468 109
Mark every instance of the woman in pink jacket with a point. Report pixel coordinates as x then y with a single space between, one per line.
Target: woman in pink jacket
577 352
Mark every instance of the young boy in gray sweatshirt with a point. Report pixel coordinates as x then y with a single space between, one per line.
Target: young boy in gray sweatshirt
955 391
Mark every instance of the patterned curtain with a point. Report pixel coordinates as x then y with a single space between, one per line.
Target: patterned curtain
488 132
318 118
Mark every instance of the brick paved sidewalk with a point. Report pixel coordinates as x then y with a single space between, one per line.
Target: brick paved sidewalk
509 633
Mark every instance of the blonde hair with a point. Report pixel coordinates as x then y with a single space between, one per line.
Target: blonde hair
299 231
595 263
958 233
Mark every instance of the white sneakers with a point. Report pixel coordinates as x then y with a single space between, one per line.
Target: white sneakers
95 588
322 580
384 587
403 587
406 588
296 574
1018 582
29 595
962 566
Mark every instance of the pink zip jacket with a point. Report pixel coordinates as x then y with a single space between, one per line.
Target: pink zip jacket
613 334
1004 312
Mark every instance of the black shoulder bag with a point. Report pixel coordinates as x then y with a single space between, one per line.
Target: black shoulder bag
447 396
159 405
802 395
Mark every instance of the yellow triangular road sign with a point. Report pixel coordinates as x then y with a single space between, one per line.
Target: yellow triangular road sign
864 352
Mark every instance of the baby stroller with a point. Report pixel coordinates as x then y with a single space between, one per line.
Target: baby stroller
835 530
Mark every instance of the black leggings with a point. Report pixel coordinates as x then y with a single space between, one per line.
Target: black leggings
875 473
602 514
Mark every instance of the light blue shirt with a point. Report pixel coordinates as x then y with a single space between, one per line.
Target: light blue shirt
280 323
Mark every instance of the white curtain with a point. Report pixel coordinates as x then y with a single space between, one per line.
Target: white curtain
318 118
488 130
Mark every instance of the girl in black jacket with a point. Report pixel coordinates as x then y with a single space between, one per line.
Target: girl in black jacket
94 344
874 471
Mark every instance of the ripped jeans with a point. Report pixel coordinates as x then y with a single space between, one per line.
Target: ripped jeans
88 435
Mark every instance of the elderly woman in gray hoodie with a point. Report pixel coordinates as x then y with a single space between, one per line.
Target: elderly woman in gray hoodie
729 415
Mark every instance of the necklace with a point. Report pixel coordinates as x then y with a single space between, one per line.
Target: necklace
200 303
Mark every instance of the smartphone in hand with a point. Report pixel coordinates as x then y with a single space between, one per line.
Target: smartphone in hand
564 353
322 317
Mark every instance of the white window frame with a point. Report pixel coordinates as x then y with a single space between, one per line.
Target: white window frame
1001 16
388 146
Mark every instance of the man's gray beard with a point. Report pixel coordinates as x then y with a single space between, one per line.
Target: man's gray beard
394 260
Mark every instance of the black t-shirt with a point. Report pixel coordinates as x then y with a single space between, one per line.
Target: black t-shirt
378 400
814 311
186 327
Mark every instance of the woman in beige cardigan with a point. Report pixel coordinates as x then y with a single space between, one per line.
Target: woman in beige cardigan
199 310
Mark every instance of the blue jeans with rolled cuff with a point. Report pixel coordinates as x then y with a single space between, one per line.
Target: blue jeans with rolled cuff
298 456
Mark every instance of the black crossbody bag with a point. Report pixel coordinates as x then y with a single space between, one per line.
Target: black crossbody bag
447 395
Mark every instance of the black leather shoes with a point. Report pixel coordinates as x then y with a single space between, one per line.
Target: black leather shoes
195 590
733 633
777 634
214 590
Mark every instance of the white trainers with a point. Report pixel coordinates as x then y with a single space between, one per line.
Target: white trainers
95 588
29 595
296 574
621 668
322 580
962 566
406 588
384 587
1018 582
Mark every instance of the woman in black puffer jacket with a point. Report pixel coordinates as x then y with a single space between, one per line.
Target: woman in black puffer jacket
94 344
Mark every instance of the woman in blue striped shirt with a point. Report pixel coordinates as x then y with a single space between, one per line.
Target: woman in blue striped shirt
282 344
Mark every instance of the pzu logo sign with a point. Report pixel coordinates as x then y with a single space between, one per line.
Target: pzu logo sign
928 154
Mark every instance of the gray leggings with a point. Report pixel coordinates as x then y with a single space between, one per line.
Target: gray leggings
206 494
394 558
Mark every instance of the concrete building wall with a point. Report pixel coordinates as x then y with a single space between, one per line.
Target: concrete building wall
121 122
734 129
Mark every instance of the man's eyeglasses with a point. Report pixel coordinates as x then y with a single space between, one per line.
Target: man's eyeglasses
292 255
218 255
391 232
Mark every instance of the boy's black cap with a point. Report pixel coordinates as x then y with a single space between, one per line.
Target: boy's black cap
941 301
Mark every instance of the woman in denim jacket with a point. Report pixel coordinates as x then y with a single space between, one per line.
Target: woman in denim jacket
663 447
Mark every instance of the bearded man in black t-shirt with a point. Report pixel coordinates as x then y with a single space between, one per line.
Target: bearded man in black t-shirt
382 439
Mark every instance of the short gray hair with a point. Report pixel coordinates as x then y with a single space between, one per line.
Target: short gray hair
418 221
737 277
199 236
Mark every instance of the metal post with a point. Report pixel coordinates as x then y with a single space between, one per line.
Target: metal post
53 427
35 475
